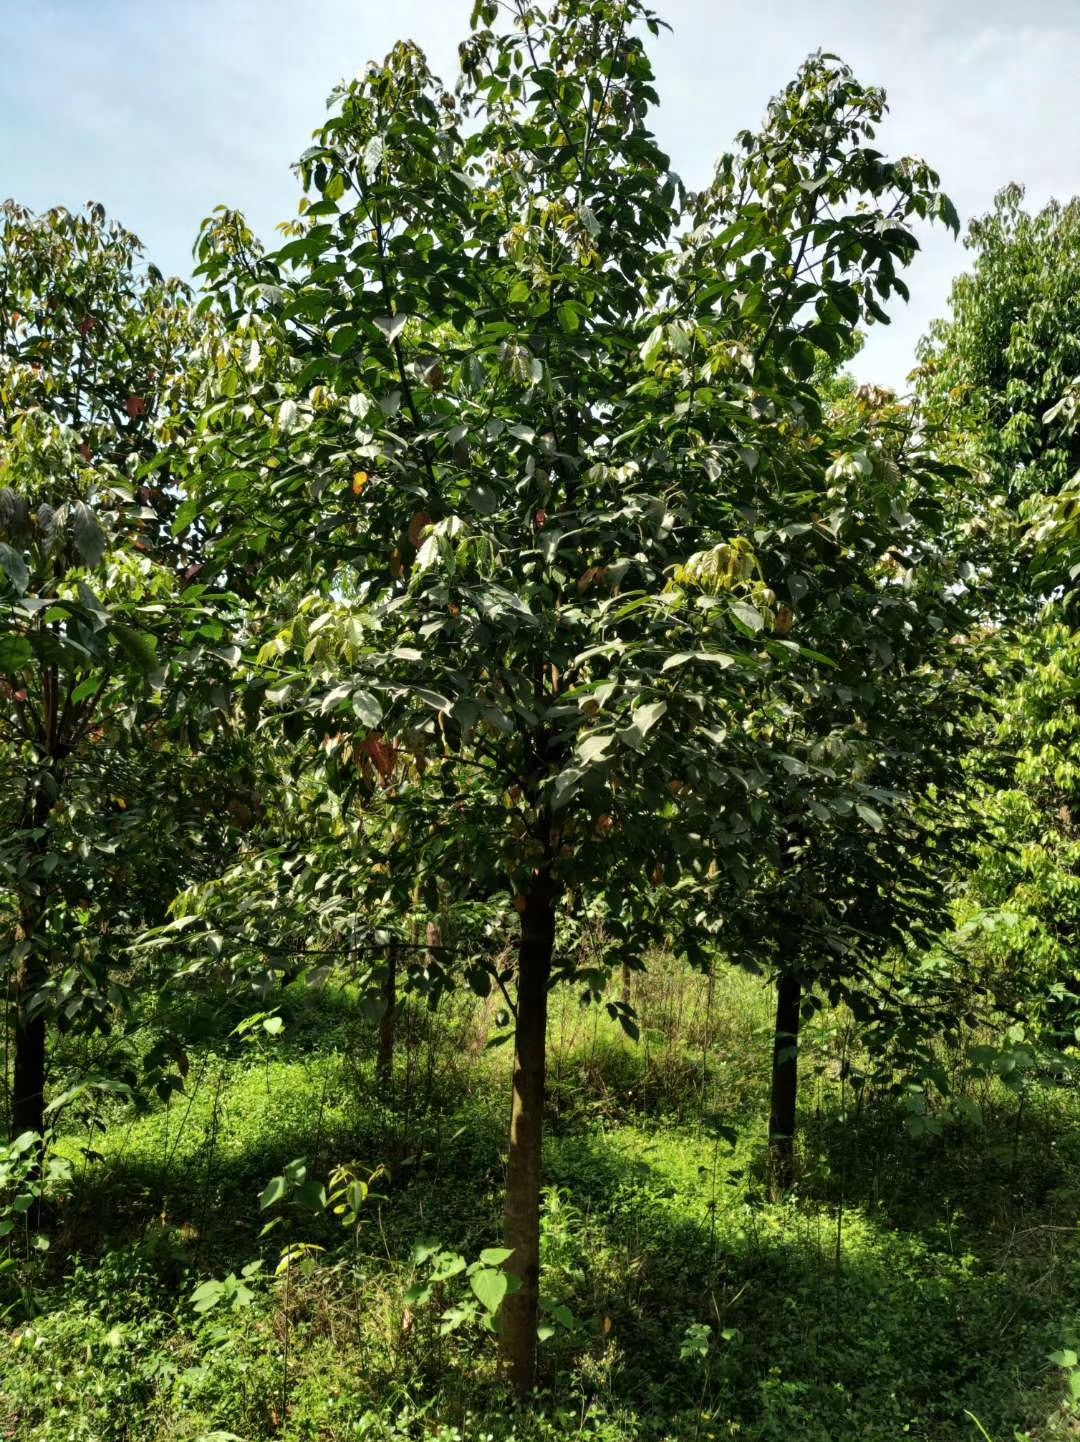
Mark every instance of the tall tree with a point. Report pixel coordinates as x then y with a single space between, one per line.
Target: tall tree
504 382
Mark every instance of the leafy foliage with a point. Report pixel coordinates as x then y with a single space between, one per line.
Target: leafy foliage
102 619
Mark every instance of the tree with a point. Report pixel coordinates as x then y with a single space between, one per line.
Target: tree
1002 371
531 407
868 829
98 369
1001 375
1009 350
1018 921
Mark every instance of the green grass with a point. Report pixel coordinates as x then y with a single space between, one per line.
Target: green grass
911 1281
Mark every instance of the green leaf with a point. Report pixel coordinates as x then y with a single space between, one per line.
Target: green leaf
12 563
566 783
652 348
311 1195
569 313
206 1295
496 1256
645 717
139 648
490 1287
714 658
366 707
594 748
273 1192
89 537
802 358
749 615
431 698
15 653
870 816
391 325
372 156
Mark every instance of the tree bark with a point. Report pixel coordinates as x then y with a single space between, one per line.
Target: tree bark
434 939
521 1230
384 1057
28 1082
626 987
785 1086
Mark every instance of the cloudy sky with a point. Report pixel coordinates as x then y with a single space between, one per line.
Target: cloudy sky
162 109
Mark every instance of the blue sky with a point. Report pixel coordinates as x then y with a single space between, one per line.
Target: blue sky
162 109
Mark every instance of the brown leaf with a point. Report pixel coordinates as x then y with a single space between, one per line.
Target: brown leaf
380 753
417 526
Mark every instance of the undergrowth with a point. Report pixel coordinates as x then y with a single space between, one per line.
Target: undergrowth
913 1287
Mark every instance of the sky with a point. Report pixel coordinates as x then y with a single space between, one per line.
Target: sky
162 109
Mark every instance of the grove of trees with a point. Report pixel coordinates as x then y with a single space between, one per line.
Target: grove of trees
493 596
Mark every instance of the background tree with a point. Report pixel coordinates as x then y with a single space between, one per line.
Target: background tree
869 832
1009 349
1000 375
98 371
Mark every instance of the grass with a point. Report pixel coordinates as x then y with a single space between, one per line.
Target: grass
914 1283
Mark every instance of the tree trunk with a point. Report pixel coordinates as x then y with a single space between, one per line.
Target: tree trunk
28 1083
626 989
384 1057
28 1071
785 1086
521 1231
29 1032
434 939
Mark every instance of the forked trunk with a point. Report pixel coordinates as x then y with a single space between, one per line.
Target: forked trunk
785 1086
521 1230
384 1058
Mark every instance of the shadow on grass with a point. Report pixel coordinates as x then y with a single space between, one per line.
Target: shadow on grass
968 1186
200 1165
938 1287
824 1324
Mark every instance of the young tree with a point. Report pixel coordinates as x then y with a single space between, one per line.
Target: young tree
868 828
97 376
504 383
